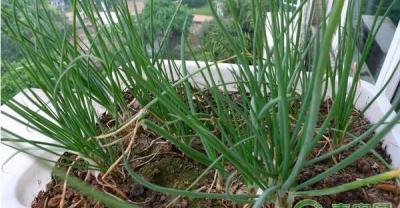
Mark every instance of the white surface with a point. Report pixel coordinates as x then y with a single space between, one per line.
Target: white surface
391 141
23 177
389 66
391 59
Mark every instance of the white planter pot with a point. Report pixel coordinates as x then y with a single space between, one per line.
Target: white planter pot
24 176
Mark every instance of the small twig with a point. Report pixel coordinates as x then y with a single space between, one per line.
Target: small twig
46 202
212 184
151 143
331 147
140 158
144 163
75 204
64 190
104 184
116 141
132 102
87 176
201 189
325 143
140 203
109 122
227 59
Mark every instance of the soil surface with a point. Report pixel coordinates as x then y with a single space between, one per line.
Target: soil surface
368 165
160 163
156 160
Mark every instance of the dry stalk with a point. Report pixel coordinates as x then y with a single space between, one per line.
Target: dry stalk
116 141
104 184
127 124
151 143
126 152
327 142
132 102
212 184
149 160
75 204
64 190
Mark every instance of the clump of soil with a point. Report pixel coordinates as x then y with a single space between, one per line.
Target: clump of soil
160 163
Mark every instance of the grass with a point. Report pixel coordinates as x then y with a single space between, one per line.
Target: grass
255 134
203 10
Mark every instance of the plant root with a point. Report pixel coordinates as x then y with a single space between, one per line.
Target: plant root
127 124
105 184
126 152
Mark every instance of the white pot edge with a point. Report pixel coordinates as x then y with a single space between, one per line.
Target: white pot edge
25 176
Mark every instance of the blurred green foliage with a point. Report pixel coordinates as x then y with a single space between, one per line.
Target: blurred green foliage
212 43
163 11
204 10
238 11
11 79
195 3
12 54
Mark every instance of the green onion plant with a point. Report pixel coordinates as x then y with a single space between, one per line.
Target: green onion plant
265 128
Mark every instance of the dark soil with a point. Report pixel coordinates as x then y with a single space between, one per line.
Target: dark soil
366 166
160 163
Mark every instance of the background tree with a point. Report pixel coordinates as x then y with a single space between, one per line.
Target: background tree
163 11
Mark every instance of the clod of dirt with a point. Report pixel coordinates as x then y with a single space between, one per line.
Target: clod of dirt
364 166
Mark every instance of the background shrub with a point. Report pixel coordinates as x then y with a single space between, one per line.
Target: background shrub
163 11
212 43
